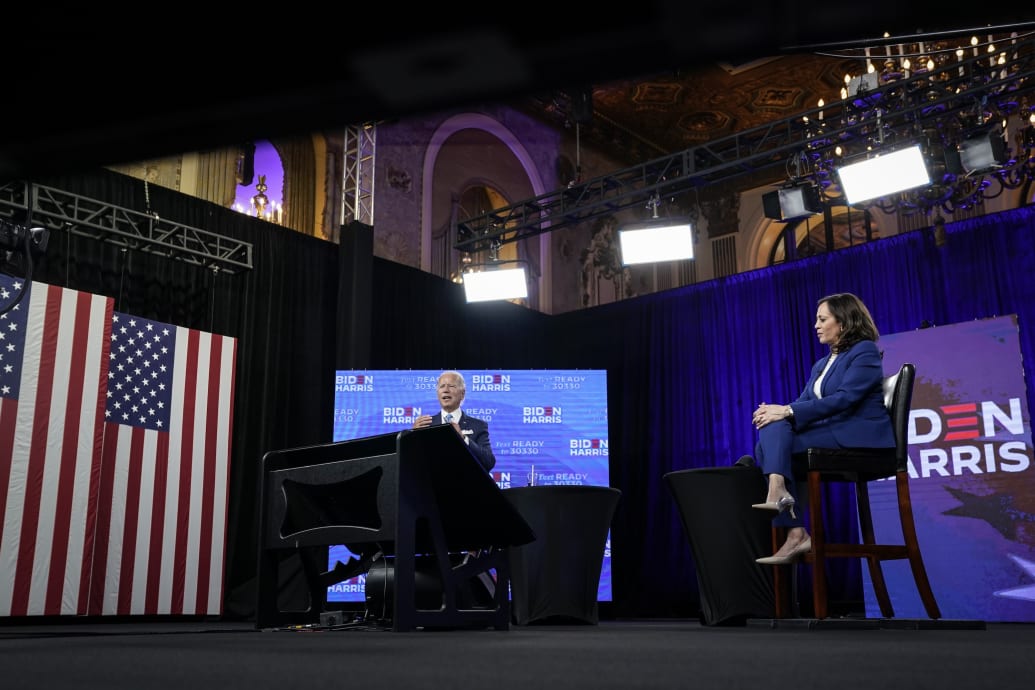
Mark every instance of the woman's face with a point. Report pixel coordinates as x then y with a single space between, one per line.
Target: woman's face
827 327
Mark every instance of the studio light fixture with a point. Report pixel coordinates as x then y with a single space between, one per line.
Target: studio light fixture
15 237
657 239
653 241
983 152
862 84
489 282
883 174
792 202
20 243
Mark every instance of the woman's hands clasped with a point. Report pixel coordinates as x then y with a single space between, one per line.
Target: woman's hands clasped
767 414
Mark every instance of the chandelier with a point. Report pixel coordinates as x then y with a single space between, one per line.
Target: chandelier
967 103
261 205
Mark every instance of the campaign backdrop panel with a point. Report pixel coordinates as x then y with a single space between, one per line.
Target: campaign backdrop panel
547 427
972 479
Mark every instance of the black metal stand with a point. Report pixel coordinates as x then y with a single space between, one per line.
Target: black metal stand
415 494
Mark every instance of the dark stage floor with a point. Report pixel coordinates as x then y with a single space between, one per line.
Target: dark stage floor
634 653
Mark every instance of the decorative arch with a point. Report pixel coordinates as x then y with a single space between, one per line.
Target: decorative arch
491 126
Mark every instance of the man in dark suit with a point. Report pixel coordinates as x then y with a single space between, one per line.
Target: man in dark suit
474 431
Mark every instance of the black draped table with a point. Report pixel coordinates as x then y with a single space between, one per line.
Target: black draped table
555 578
726 536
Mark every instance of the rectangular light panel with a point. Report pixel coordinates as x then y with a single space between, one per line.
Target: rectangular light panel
504 283
884 175
641 245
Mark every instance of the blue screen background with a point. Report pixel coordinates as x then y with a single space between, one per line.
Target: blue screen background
550 423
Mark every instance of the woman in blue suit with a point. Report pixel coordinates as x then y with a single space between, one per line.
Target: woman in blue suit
842 405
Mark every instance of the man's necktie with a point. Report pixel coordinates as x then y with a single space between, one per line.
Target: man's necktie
449 418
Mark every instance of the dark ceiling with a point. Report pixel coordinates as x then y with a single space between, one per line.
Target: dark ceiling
83 89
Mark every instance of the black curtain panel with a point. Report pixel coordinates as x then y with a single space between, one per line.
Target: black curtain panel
685 367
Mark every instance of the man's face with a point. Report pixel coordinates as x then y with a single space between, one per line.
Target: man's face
450 394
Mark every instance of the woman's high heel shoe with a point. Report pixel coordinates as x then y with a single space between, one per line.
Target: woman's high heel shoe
784 504
794 554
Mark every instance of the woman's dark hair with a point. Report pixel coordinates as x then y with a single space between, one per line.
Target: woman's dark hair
856 322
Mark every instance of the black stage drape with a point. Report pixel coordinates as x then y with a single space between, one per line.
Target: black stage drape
685 367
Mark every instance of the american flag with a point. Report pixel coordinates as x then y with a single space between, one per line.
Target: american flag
52 380
161 525
113 484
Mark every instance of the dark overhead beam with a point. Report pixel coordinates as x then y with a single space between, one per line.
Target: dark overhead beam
83 90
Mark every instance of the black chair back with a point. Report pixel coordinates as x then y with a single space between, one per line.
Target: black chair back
898 397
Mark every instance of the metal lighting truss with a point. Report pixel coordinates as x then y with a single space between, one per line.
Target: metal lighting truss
79 215
940 103
357 198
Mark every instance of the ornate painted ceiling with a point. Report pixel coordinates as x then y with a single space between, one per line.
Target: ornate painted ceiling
639 119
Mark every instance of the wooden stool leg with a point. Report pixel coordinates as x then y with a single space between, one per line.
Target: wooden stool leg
916 562
780 585
880 586
818 536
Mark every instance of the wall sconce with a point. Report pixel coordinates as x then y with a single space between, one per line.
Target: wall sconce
495 283
884 174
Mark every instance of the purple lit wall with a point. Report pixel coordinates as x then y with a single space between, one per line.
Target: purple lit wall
268 163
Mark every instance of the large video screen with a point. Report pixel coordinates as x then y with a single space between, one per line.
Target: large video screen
547 427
